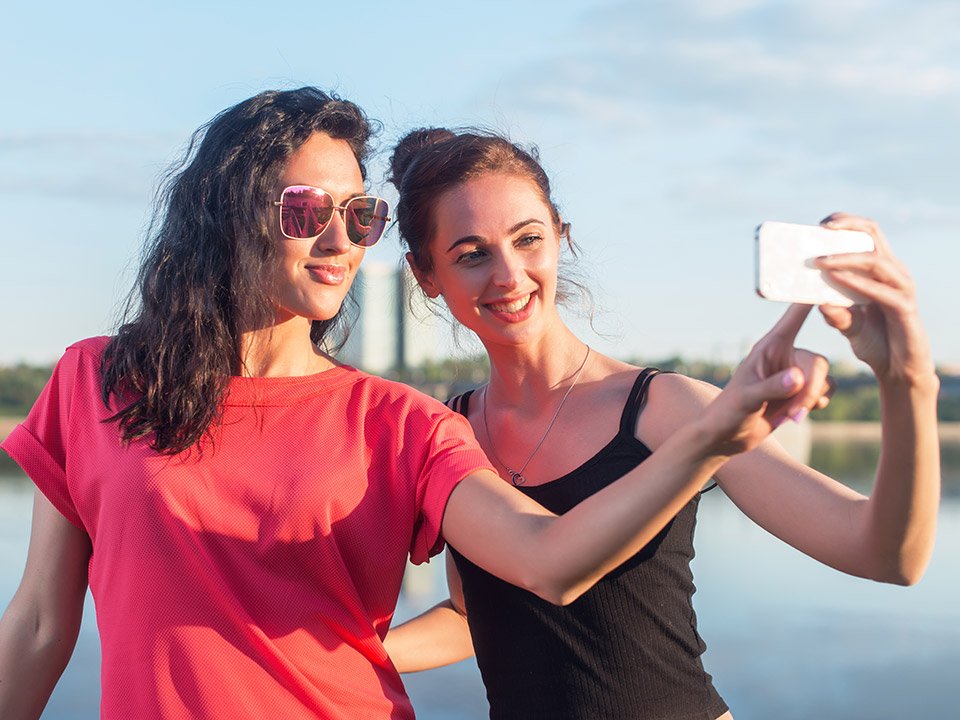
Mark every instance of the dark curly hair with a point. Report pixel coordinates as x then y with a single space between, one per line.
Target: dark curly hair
208 248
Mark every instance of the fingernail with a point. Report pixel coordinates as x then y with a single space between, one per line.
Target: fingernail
799 414
790 378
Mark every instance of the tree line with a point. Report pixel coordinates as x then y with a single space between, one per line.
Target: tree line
856 397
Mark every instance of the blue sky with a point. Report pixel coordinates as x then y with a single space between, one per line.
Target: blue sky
670 128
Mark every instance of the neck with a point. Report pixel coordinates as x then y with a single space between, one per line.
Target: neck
282 350
526 375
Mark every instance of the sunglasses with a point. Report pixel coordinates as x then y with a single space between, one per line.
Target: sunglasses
306 211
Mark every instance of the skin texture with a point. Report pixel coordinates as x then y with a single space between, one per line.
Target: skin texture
495 244
490 521
39 629
312 277
482 279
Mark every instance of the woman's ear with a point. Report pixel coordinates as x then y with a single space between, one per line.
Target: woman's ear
423 279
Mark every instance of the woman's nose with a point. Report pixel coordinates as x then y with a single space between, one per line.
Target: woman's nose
508 271
334 237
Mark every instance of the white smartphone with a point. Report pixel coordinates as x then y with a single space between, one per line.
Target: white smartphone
785 271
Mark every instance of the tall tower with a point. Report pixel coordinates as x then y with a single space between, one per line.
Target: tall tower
387 336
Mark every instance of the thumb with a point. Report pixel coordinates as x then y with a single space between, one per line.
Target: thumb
779 386
841 318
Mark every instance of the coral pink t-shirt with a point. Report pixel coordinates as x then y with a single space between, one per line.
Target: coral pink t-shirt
257 578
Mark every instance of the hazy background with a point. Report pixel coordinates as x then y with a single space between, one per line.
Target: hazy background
670 128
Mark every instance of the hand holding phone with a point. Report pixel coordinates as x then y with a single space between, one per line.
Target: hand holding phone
785 254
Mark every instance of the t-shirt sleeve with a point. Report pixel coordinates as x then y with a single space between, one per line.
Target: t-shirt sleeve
452 453
40 443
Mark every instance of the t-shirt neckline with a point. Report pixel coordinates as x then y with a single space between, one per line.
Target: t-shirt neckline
288 389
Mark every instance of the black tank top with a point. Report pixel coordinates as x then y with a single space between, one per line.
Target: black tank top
627 648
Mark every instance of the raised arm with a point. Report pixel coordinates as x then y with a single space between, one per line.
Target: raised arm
39 628
888 335
890 535
559 558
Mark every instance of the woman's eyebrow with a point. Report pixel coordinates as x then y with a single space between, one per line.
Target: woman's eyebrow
510 231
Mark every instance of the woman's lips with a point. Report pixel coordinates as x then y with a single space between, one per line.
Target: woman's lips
328 274
512 310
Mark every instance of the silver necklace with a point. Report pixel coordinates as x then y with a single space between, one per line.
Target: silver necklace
516 476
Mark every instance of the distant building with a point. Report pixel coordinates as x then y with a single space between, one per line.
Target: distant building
388 336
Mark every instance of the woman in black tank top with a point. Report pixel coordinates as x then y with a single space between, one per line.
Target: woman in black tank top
562 422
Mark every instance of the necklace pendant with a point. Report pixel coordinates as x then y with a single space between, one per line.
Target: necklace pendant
516 477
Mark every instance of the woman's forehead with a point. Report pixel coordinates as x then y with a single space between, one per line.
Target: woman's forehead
327 163
492 199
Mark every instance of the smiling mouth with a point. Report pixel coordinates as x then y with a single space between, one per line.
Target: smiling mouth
511 307
328 274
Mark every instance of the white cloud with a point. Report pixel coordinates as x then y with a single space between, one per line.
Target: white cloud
107 167
714 118
833 88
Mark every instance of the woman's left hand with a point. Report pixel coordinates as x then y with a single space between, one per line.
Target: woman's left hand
886 333
775 381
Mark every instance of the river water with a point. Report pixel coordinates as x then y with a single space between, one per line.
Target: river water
787 637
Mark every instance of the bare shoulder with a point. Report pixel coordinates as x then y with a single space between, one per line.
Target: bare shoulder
673 400
610 380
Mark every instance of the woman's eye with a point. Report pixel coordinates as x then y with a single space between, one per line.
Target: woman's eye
531 239
470 256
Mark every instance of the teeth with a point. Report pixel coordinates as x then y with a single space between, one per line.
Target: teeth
512 307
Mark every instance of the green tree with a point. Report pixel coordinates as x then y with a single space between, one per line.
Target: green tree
20 386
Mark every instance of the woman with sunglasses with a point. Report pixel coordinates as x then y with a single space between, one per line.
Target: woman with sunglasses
241 505
562 422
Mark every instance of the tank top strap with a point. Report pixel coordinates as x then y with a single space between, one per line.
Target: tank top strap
460 403
628 419
635 401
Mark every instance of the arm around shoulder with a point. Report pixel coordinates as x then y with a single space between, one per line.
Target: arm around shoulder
437 637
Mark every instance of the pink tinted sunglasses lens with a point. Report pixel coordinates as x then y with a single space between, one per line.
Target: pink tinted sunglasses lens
366 218
305 212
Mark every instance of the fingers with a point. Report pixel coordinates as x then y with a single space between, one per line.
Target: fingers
845 221
826 393
790 322
779 386
875 290
845 319
881 283
814 369
887 270
877 276
794 392
771 374
886 333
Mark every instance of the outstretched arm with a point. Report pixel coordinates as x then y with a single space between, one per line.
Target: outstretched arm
890 535
39 628
559 558
900 519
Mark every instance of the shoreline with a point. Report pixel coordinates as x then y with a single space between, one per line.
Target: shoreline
832 431
949 431
7 424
